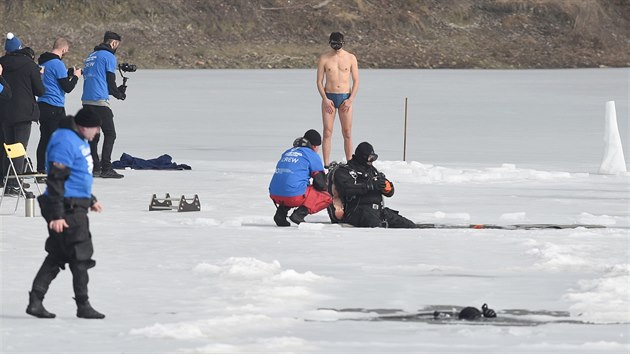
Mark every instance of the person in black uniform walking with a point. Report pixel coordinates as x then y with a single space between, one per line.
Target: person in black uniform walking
65 206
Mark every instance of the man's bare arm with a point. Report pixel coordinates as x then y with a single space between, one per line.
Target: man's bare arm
327 104
321 70
354 71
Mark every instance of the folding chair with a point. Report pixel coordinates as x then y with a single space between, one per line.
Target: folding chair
16 151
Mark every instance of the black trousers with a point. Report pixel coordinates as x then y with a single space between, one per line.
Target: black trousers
49 118
73 247
366 216
48 272
14 133
108 130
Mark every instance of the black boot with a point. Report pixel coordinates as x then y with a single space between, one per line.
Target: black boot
85 310
36 307
281 216
299 214
110 173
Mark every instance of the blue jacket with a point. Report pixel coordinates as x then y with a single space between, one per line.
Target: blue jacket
97 65
293 172
56 80
69 149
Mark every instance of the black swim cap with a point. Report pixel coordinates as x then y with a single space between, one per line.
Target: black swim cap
313 137
336 40
364 153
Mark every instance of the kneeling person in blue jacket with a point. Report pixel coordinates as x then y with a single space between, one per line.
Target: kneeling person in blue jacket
290 187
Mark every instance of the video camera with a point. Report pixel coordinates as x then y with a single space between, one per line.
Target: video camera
128 68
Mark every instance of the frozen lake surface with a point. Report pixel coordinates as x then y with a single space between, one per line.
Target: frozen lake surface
503 147
534 118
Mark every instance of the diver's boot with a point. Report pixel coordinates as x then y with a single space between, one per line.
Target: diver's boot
85 310
36 307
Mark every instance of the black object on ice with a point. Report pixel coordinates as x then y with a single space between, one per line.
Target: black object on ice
449 315
469 313
472 313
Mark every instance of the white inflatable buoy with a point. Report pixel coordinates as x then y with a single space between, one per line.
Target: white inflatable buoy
613 161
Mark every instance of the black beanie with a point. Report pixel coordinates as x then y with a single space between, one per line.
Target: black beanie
111 35
313 137
363 151
86 117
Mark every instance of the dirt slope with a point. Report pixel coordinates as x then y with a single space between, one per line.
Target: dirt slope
292 33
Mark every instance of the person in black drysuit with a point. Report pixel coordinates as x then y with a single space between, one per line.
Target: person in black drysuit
65 206
361 188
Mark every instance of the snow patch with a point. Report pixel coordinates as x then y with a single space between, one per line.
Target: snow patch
240 221
312 226
215 328
586 218
511 217
559 257
200 222
250 268
327 315
603 300
241 268
442 216
416 172
267 345
292 275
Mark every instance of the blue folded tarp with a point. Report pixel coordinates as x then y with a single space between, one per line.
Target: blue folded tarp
164 162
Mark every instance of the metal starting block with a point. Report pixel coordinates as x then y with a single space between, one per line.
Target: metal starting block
183 203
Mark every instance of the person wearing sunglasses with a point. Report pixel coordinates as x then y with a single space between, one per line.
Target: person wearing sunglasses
360 188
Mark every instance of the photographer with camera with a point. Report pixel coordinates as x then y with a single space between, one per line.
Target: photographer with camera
58 81
99 83
360 187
